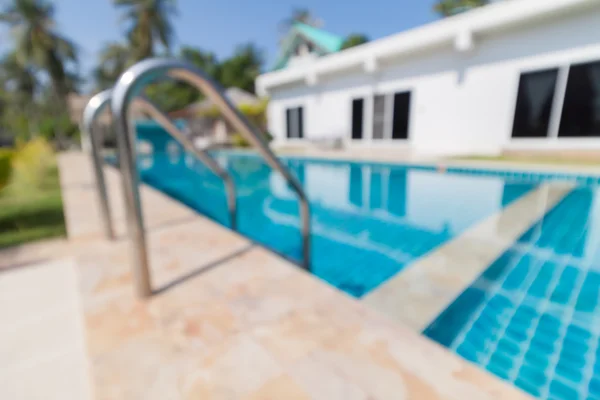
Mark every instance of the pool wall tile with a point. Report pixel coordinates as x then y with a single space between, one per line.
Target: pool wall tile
418 294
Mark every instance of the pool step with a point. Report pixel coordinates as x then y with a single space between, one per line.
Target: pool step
420 292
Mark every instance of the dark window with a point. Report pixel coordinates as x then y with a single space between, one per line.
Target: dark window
288 122
294 120
534 103
357 118
581 109
378 116
300 122
401 115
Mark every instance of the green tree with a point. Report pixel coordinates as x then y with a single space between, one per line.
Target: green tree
242 68
38 43
114 59
19 79
355 39
171 96
447 8
149 24
206 61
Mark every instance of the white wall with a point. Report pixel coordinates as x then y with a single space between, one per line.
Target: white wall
461 103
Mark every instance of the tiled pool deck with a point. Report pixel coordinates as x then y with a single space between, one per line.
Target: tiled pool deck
231 319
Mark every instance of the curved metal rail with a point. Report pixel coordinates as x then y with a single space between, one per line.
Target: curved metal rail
90 143
127 88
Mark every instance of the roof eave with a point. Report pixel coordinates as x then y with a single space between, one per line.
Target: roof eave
489 18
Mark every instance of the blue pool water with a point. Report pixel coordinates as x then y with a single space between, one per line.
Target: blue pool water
368 221
532 318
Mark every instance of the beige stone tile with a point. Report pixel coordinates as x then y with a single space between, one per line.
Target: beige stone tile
193 316
117 321
62 377
41 334
296 335
23 344
28 294
142 368
370 356
271 294
322 382
236 369
282 387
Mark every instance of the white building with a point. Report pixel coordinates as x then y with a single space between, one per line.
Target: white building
517 74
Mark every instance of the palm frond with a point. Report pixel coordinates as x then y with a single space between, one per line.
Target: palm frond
66 48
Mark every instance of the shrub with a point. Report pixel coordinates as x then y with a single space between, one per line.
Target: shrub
238 140
255 113
32 164
5 167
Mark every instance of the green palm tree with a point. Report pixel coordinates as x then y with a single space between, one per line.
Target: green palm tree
447 8
38 43
242 69
19 78
353 40
149 24
114 59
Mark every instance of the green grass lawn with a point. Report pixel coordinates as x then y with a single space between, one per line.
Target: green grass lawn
31 214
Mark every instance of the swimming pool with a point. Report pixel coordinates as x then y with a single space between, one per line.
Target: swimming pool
368 221
532 318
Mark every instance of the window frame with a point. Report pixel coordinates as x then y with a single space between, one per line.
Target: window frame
294 114
388 115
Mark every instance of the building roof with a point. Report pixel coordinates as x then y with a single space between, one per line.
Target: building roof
325 42
458 31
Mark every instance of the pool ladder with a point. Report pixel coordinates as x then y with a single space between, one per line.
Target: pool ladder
121 97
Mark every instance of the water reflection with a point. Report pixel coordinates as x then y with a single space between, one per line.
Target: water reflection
421 199
368 221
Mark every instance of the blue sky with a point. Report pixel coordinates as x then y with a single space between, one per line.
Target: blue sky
220 25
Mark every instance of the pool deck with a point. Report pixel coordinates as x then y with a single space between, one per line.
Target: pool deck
420 292
229 319
402 156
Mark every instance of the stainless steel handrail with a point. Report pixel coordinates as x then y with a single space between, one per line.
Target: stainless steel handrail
90 143
127 88
204 157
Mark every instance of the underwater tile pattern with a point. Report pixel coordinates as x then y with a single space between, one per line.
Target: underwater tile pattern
532 317
417 295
